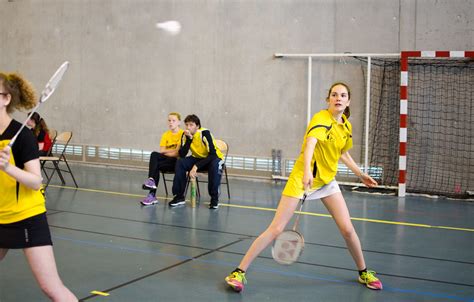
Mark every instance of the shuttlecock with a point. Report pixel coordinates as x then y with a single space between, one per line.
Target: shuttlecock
170 27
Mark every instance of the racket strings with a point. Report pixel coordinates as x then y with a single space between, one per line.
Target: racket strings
287 247
54 81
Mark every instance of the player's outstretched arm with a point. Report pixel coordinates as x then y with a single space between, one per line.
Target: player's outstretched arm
346 158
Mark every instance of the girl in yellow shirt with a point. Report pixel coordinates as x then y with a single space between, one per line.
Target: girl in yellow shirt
23 223
327 139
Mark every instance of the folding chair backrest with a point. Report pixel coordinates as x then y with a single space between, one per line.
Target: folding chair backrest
63 138
223 147
52 136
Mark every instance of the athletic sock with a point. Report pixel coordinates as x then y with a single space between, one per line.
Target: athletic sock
364 270
238 270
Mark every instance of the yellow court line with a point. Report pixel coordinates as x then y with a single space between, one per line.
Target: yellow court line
452 228
96 292
274 210
101 191
357 219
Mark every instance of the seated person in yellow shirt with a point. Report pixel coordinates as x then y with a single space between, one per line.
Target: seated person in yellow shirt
165 160
204 155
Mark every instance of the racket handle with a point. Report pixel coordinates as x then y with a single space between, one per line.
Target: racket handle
306 193
12 141
297 220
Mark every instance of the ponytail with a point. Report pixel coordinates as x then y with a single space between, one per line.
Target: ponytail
40 124
347 112
43 126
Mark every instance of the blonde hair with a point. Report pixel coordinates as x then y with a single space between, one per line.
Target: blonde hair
175 114
22 94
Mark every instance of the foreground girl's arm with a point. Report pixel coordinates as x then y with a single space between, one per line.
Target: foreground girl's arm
30 176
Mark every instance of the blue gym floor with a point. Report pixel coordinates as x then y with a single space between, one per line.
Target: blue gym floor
422 248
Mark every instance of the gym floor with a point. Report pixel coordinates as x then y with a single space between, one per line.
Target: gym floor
104 241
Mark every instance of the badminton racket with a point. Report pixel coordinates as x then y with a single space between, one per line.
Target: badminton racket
45 94
289 245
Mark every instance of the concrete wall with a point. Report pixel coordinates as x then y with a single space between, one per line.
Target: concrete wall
125 75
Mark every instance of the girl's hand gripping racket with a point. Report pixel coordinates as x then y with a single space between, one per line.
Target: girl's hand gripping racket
45 94
289 245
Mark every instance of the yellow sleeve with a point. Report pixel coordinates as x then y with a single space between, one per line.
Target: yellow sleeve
318 128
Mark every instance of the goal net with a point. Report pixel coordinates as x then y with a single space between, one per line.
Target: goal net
439 124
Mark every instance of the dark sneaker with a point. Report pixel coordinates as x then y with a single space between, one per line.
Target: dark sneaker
149 200
149 184
214 204
177 201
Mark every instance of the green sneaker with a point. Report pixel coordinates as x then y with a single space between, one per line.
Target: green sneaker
236 280
368 278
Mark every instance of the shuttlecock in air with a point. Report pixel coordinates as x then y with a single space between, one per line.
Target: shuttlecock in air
170 27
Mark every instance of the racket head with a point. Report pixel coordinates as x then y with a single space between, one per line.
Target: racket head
45 94
287 247
53 82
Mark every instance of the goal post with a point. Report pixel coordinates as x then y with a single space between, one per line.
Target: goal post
440 89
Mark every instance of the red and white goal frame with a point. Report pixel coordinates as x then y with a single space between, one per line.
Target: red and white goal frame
404 57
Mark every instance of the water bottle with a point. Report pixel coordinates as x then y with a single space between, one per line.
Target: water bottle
193 192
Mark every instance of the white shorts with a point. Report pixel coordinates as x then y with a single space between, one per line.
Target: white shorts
324 191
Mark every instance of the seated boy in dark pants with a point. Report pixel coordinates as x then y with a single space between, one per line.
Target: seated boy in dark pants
204 155
165 160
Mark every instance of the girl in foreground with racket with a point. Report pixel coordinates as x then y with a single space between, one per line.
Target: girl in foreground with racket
328 139
23 223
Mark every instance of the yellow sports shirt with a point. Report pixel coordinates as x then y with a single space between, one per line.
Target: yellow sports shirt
171 140
18 202
200 145
333 139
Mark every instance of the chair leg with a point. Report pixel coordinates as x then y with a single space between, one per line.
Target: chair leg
44 170
56 165
45 174
164 182
47 183
42 167
52 173
70 172
227 182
